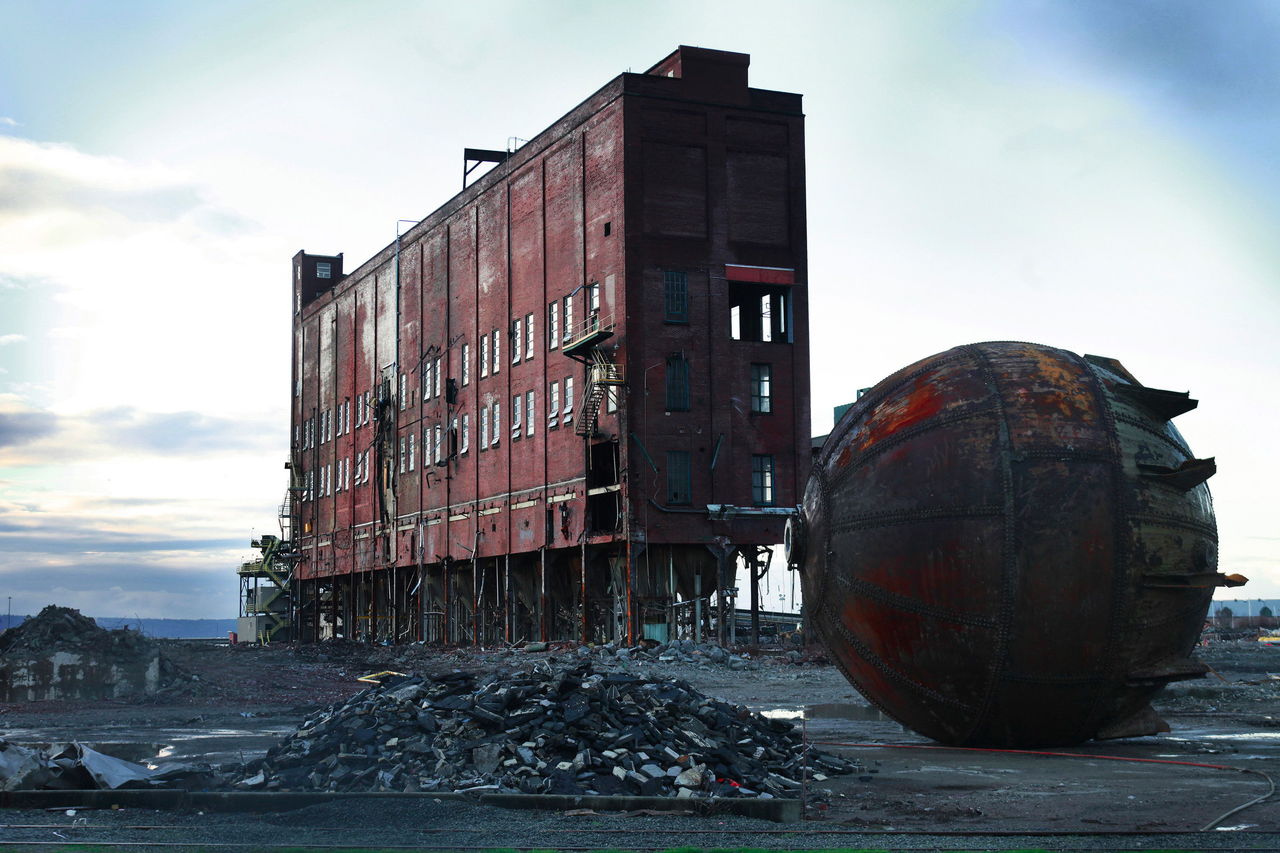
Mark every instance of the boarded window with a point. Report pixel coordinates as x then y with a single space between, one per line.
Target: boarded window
679 480
677 383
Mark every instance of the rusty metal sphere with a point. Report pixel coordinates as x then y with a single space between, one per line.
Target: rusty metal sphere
1008 544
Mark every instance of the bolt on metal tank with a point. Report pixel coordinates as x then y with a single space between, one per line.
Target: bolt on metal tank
1008 544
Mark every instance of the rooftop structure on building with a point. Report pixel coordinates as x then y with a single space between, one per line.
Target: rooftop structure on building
571 400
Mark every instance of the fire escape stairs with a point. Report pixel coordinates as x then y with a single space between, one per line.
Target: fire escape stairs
603 375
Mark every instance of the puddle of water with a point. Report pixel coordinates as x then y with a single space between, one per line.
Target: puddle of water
828 711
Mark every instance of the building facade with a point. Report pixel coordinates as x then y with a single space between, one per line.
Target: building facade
567 402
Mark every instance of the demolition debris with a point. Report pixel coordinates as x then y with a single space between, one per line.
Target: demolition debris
62 654
546 730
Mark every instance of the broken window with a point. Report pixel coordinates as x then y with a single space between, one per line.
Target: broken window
553 405
517 339
762 388
466 433
679 479
517 408
676 296
759 312
677 383
762 480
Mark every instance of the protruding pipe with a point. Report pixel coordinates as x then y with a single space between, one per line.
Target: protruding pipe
1185 477
1164 404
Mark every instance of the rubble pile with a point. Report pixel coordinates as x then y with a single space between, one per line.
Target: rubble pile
66 629
546 730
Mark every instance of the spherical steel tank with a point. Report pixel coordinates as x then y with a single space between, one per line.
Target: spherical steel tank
1008 544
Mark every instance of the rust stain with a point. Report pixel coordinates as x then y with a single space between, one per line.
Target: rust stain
922 403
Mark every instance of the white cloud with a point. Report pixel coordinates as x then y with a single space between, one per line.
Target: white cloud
5 121
5 340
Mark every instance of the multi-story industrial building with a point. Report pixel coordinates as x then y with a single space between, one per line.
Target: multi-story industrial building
567 402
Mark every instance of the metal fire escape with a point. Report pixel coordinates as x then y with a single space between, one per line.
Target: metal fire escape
583 344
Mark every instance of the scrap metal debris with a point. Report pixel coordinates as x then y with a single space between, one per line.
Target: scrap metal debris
544 730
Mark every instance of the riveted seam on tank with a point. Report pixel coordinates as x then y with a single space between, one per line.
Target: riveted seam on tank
1009 554
886 519
1123 586
1175 521
901 602
906 435
875 660
1136 423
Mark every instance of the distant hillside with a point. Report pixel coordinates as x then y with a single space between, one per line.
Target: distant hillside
159 628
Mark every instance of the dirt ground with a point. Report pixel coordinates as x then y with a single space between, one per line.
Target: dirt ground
235 702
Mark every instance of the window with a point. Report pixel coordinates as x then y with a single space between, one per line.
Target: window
676 290
452 437
679 486
553 404
428 386
466 433
435 376
404 391
568 394
437 434
323 269
345 426
466 364
758 312
593 298
611 399
497 422
484 427
762 480
762 388
517 339
412 453
404 453
677 383
568 317
497 351
517 408
368 406
530 410
553 325
484 356
528 336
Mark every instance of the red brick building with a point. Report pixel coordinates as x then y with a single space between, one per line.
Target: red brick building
574 394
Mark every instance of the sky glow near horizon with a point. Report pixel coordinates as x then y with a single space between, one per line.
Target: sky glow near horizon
1097 176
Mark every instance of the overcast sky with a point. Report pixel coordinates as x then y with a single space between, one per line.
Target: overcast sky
1098 176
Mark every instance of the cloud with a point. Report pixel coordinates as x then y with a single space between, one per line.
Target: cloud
5 121
25 427
44 178
36 437
5 340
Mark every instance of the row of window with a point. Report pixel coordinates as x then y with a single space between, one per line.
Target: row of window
335 477
330 479
677 400
680 479
677 385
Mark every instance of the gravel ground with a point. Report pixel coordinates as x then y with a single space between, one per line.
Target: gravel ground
243 699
